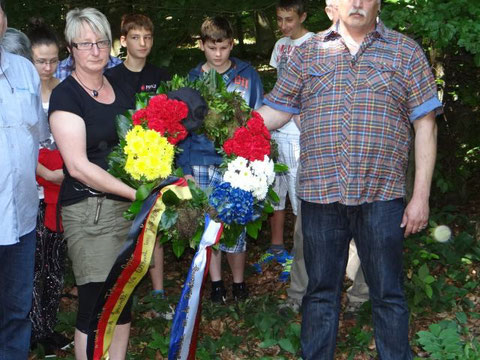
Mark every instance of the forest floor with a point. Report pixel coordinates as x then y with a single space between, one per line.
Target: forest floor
257 328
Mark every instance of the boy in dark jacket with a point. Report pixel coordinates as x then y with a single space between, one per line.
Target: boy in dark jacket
135 75
199 159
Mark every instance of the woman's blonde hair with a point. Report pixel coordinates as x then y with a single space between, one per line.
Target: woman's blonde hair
94 18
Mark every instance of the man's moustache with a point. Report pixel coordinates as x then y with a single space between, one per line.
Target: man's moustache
357 11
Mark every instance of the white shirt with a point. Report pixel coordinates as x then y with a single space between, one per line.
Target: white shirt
281 54
22 124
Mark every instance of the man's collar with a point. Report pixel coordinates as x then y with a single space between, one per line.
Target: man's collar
380 32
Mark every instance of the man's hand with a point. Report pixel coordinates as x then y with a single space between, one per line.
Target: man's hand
415 217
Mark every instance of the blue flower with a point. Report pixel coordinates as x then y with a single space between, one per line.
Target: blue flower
232 204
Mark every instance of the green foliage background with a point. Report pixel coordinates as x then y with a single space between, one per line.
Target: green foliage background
441 278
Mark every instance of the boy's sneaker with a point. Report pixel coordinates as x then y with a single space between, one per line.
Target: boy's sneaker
284 257
281 257
292 304
287 267
239 291
265 259
218 294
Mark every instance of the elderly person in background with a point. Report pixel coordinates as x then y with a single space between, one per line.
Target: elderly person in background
82 118
359 88
16 42
22 126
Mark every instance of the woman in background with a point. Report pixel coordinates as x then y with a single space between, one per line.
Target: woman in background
51 247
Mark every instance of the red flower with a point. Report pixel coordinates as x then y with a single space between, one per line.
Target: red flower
139 117
251 142
164 116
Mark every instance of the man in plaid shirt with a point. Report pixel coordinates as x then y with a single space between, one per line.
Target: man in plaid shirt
359 88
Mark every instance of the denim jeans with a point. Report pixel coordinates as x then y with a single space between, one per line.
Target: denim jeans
16 289
327 230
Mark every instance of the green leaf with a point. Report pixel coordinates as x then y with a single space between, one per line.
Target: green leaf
279 168
268 343
143 191
169 218
199 198
429 279
197 237
287 345
423 272
178 247
428 291
231 234
169 198
135 207
435 329
253 228
178 172
123 125
461 317
273 195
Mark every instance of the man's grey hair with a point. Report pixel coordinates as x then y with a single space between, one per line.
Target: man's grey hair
16 42
94 18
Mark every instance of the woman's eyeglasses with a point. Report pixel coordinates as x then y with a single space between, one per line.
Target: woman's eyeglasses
102 44
44 62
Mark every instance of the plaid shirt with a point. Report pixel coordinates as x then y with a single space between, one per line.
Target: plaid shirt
64 68
355 113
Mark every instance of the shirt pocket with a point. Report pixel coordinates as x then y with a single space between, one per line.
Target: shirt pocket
321 78
379 76
27 101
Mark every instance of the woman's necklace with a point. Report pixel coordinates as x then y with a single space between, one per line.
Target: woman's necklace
94 92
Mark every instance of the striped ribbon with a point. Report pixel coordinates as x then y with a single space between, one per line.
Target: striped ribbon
184 331
129 268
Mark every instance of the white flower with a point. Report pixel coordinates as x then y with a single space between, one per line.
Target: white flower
265 167
254 177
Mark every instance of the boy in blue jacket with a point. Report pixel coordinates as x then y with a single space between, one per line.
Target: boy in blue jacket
199 159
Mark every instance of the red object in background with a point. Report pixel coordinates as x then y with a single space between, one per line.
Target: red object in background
52 160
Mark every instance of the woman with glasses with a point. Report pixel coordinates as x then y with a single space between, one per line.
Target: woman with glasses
82 115
51 247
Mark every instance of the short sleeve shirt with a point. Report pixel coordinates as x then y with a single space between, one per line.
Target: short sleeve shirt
100 129
132 82
281 54
355 113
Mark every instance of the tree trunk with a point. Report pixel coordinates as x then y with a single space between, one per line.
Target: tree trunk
264 34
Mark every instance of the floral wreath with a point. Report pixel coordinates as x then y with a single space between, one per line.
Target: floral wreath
145 155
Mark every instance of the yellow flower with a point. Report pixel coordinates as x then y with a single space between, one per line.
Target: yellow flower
149 155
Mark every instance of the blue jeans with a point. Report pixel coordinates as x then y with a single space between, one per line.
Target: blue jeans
16 289
327 230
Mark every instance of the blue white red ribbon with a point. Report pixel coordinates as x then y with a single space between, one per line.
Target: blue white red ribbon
184 331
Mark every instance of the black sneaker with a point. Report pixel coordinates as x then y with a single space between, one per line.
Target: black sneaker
239 291
218 294
59 341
